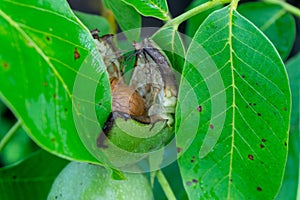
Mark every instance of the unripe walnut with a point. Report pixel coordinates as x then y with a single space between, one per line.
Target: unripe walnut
126 99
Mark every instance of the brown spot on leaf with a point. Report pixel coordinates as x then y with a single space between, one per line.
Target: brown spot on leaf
285 109
230 180
243 76
259 114
54 96
195 181
199 108
14 177
261 146
5 65
192 161
263 140
254 104
179 150
259 189
76 54
211 126
48 38
53 139
66 109
188 183
285 143
250 156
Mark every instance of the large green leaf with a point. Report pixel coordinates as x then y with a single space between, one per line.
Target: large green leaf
170 41
290 183
275 22
151 8
32 178
243 102
45 46
129 20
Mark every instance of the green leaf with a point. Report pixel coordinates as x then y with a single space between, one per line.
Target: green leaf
151 8
243 106
45 47
93 22
86 181
194 22
169 40
129 20
275 22
291 177
32 178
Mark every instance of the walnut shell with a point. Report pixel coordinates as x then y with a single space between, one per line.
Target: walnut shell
126 99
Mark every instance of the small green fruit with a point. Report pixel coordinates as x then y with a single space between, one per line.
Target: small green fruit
85 181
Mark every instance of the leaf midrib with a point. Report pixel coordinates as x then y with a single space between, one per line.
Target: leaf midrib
233 98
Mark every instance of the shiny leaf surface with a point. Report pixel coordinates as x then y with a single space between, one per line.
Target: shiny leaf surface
45 48
152 8
243 102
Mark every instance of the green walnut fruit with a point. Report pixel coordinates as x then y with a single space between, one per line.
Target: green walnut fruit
84 181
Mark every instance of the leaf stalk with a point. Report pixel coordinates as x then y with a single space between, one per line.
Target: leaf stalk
288 7
9 135
188 14
165 185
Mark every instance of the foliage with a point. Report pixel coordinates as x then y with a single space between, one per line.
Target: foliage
233 114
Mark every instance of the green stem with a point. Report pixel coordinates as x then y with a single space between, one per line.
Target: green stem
188 14
288 7
165 185
9 135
